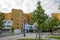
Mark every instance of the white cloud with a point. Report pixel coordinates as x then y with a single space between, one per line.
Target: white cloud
50 6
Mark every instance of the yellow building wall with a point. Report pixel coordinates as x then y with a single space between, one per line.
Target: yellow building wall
56 15
28 18
7 16
17 18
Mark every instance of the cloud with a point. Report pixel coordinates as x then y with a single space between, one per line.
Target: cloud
50 6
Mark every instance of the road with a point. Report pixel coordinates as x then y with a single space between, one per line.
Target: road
28 35
15 37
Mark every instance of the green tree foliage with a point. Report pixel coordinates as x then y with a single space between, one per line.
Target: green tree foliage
52 23
39 17
12 29
1 20
45 27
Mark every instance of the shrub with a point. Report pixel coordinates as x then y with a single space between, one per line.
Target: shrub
12 29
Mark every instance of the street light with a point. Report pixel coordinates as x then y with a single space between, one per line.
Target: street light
24 28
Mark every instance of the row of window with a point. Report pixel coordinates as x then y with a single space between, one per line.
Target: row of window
7 26
7 21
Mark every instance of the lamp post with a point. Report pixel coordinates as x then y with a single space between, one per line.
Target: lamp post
59 6
24 28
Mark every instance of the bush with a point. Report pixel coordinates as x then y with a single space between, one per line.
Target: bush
12 29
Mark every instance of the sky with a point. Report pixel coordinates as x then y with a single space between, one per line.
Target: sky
50 6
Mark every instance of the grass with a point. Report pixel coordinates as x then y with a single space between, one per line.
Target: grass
56 37
29 39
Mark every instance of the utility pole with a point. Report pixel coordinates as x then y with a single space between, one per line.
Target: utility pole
24 28
59 6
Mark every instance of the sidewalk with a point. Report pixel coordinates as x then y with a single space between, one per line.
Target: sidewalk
28 35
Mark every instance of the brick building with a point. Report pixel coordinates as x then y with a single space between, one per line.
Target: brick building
56 15
17 17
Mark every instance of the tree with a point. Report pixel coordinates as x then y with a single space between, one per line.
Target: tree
52 23
39 17
1 20
45 27
12 29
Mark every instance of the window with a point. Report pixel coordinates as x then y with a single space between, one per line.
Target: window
17 23
11 18
30 27
4 21
9 22
8 25
17 27
17 14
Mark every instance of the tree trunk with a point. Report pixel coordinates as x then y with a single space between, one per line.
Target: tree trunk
36 33
51 30
51 33
40 33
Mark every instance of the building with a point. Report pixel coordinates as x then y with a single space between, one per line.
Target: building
7 24
56 15
17 17
28 18
7 16
29 28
